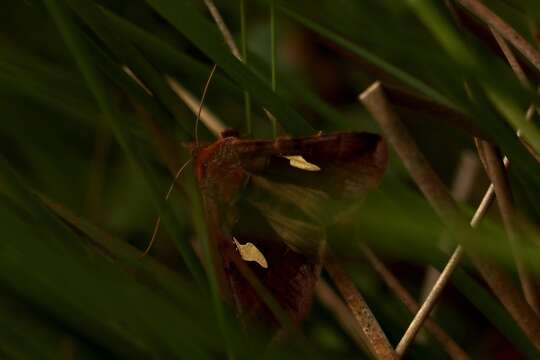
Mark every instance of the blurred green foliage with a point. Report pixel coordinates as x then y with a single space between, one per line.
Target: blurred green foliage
83 170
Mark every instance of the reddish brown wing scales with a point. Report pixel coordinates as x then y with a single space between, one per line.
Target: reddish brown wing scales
250 191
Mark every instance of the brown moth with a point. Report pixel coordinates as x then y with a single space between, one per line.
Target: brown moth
268 203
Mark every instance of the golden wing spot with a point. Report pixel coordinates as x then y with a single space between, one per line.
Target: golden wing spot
249 252
299 162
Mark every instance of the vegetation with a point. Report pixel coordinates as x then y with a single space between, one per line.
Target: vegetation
101 105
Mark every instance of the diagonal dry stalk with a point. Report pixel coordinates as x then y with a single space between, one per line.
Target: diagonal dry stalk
328 297
428 305
372 333
452 348
229 40
501 32
462 187
218 19
509 55
417 103
429 183
496 173
439 198
510 58
520 74
504 29
208 118
502 43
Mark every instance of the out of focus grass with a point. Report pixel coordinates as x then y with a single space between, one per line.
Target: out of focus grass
82 173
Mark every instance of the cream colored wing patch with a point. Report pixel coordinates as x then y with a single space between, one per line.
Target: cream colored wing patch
299 162
249 252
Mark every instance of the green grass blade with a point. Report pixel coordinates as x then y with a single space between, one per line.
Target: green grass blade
247 96
98 88
186 19
402 76
131 57
467 58
74 283
26 335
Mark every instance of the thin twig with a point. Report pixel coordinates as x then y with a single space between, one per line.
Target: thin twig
486 202
333 302
509 55
132 75
223 28
452 348
532 151
533 109
212 122
440 199
504 29
461 189
207 117
372 333
433 109
496 174
432 298
229 40
234 49
520 74
414 161
428 182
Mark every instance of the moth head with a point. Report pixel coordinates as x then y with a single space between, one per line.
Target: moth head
196 149
230 133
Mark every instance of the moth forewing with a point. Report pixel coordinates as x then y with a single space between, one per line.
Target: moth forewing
278 212
307 200
302 236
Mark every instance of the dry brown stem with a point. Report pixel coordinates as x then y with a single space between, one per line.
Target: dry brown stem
438 196
497 175
372 333
504 29
451 347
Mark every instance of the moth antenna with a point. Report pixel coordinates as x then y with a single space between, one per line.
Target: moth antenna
202 103
158 220
179 172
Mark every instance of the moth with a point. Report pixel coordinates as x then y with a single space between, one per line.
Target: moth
268 205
